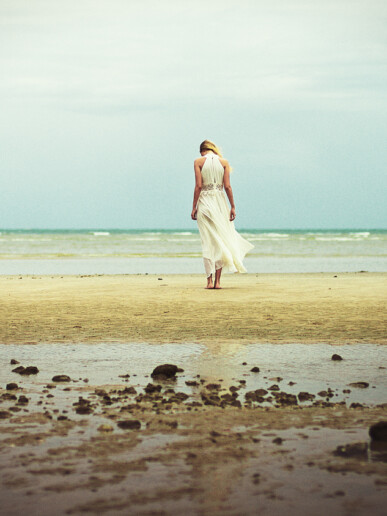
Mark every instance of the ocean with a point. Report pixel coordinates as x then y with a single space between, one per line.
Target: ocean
157 251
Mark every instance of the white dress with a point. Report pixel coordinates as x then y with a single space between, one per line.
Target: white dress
223 247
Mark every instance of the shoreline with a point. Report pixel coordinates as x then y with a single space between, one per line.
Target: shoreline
269 307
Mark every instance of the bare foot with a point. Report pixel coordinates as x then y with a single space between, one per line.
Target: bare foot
217 286
209 282
209 285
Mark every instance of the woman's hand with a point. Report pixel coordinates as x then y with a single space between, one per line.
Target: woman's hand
232 214
194 214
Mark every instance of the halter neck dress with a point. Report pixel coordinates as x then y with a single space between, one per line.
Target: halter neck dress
223 247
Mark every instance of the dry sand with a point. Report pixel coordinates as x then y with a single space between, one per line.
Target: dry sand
322 307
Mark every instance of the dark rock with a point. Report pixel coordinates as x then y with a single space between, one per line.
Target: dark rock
12 386
277 440
356 405
180 370
23 400
61 378
62 418
150 388
213 386
284 398
4 414
355 450
378 431
8 396
129 424
359 385
124 376
165 370
323 394
261 392
26 370
84 409
336 357
129 390
244 363
255 370
305 396
274 388
14 361
192 383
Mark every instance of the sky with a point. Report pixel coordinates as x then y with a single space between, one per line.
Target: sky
104 103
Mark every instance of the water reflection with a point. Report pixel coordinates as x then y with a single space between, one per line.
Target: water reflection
305 367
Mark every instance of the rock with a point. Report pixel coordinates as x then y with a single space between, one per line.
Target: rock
378 431
129 424
23 400
359 385
61 378
356 405
4 414
213 386
261 392
84 409
150 388
336 357
26 370
12 386
274 388
105 428
124 376
254 370
305 396
129 390
277 440
165 370
62 418
14 361
192 383
244 363
323 394
355 450
285 398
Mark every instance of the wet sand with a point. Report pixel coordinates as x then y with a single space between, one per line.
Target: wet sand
152 447
218 439
278 308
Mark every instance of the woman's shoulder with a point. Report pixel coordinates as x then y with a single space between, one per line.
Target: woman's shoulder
200 160
224 161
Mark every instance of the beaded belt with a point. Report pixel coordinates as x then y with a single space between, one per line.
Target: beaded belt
212 186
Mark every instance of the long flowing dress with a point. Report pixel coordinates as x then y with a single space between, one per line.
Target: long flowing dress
223 247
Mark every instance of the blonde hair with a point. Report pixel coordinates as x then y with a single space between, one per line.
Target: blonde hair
207 145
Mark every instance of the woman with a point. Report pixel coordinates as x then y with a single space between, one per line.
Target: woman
222 246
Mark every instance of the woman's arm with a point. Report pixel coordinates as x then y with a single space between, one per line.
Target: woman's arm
198 187
228 189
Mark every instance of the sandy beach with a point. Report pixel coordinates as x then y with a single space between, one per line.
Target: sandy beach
310 308
221 436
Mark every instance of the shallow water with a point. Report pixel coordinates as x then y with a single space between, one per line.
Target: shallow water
308 365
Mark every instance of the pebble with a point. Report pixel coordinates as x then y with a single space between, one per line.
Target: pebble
12 386
165 370
14 361
129 424
254 370
26 370
336 357
378 431
61 378
359 385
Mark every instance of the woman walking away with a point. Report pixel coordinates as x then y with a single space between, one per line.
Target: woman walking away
223 247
